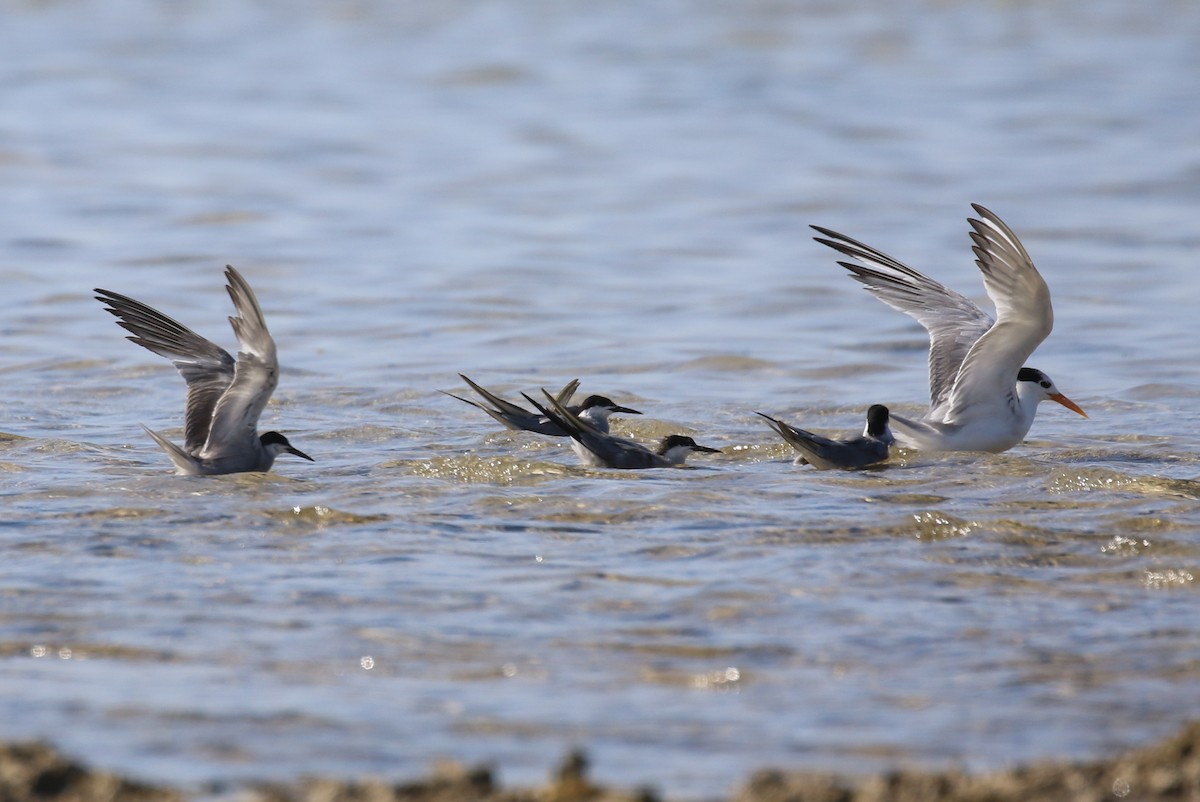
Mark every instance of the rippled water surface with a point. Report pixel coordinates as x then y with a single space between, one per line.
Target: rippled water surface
531 192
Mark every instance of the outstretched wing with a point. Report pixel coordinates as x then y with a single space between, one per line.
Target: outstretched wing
235 419
206 367
1024 316
954 322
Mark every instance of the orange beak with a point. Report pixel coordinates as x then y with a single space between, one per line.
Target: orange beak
1068 403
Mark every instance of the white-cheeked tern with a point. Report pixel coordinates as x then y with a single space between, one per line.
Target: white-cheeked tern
598 449
224 398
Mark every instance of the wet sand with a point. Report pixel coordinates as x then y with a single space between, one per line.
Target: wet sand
1168 770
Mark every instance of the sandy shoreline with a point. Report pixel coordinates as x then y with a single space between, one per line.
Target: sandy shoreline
1167 770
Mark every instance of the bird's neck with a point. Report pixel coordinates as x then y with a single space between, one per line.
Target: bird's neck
676 455
597 417
1029 395
266 457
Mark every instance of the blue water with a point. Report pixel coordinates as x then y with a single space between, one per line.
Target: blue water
531 192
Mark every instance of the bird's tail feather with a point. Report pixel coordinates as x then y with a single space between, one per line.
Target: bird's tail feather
185 464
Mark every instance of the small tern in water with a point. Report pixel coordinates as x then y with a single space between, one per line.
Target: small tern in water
224 398
598 449
823 453
594 410
981 396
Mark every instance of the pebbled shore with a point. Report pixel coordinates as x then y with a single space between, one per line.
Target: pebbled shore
1168 770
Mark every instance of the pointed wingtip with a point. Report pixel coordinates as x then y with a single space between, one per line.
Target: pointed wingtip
110 299
990 221
250 324
460 398
536 405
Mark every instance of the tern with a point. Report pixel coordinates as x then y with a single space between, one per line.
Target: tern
823 453
982 398
598 449
224 398
595 410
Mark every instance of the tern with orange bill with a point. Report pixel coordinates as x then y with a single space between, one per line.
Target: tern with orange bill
982 397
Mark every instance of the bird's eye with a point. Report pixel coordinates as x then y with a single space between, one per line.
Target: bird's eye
1046 385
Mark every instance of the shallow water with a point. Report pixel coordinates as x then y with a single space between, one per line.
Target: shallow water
530 192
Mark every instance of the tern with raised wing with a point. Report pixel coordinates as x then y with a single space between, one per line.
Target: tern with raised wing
598 449
594 410
824 453
982 397
224 398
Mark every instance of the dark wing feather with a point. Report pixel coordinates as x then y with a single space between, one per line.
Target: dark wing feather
207 368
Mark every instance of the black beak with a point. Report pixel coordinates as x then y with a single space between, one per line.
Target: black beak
292 450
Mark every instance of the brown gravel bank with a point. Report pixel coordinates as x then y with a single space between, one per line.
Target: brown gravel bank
1169 770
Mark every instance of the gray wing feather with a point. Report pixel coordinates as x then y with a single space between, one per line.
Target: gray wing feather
1024 316
509 419
810 446
502 407
235 419
477 405
565 394
614 452
824 453
207 368
953 321
556 412
515 417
